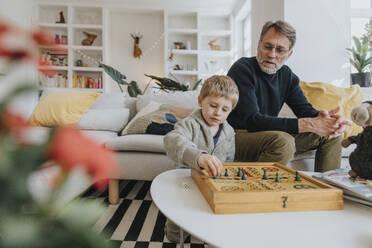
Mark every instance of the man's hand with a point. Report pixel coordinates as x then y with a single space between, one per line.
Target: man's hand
325 124
342 122
210 163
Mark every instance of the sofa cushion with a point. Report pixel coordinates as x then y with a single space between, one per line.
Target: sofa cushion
104 119
110 101
151 107
130 103
160 121
101 137
137 142
286 112
109 112
327 96
62 108
40 135
36 135
188 99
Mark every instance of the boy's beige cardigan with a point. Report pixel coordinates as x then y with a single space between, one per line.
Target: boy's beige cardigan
192 136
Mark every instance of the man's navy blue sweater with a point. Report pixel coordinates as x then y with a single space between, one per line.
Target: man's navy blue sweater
261 96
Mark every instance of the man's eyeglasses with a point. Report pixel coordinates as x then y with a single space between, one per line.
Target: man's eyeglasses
278 50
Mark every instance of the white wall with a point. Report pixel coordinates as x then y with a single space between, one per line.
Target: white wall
124 18
121 45
170 4
323 31
263 11
241 11
19 11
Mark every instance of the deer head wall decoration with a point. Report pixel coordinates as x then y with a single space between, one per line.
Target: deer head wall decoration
136 51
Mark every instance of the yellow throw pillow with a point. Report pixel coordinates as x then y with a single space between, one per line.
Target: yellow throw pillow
327 96
62 108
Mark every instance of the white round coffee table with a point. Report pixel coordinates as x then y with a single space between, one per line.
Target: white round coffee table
179 199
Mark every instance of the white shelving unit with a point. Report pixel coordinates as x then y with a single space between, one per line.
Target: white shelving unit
69 37
196 59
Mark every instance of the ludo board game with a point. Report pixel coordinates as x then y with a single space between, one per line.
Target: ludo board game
265 187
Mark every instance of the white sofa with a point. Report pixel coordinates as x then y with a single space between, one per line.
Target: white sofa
142 156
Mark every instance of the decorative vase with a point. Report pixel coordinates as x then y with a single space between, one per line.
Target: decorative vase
79 62
362 78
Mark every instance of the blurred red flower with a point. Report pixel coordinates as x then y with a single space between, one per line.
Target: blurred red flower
43 38
13 54
17 44
3 28
15 124
70 148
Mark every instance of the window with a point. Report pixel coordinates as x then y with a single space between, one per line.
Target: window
247 41
361 22
361 15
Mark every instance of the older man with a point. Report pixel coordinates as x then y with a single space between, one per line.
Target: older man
265 84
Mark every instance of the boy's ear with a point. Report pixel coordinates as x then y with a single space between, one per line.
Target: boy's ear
199 101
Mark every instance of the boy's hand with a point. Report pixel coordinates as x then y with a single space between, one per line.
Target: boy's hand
210 163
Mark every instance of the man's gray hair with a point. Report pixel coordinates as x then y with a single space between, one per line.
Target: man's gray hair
281 27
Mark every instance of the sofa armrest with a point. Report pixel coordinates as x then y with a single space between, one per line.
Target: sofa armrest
286 112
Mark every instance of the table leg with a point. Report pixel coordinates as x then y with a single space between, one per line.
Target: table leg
181 238
113 191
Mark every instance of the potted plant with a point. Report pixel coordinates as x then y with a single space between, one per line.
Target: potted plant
361 61
33 209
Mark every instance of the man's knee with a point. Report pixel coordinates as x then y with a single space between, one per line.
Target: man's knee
265 146
336 140
282 141
279 147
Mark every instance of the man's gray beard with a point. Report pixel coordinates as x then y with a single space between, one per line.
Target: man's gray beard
269 70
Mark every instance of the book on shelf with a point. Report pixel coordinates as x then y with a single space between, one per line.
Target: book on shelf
80 81
354 187
57 80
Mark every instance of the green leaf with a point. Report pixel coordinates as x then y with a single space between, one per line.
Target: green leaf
19 231
114 74
133 89
18 90
359 58
369 61
353 63
168 84
82 212
357 43
196 84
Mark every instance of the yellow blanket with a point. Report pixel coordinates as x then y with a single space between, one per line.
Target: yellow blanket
327 96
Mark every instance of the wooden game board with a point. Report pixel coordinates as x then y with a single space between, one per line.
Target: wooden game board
230 194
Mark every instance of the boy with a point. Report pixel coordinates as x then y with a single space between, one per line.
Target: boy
204 139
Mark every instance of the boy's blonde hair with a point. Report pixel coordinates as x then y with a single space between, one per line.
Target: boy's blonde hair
220 86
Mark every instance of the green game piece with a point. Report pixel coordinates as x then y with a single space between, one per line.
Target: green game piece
264 177
239 173
244 177
298 178
226 174
277 178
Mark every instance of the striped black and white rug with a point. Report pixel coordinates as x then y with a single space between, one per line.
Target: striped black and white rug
135 222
